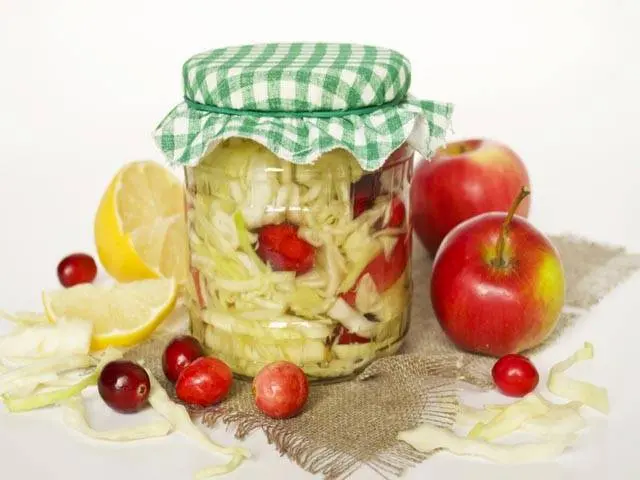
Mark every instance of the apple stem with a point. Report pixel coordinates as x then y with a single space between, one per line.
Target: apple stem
524 193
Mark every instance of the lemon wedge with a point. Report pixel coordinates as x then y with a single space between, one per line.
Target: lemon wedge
140 229
122 314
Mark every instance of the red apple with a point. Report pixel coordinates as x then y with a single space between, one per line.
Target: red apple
497 284
462 180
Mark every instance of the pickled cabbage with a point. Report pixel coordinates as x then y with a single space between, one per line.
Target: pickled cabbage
251 315
279 327
350 318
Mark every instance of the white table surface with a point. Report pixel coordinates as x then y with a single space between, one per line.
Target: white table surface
84 83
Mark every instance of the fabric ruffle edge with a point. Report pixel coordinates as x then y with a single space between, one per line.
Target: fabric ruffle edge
185 135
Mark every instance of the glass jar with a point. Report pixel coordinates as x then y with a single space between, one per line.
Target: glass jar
297 161
305 263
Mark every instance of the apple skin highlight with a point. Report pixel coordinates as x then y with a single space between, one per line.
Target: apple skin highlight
491 309
462 180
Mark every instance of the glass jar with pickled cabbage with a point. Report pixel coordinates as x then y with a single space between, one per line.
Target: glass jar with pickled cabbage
308 263
298 159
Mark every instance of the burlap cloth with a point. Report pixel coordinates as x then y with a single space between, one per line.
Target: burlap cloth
350 425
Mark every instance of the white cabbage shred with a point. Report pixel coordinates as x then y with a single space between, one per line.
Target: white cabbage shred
75 417
564 386
510 419
427 438
179 418
14 379
66 337
23 403
351 319
56 369
556 424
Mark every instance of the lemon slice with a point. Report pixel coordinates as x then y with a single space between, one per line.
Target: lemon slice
122 314
140 229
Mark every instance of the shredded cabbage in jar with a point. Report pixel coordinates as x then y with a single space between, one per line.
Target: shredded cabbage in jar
347 309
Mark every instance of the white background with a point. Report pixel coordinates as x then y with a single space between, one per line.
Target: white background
83 84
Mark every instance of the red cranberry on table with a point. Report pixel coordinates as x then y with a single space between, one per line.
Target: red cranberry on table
76 269
180 352
124 386
204 382
280 390
515 375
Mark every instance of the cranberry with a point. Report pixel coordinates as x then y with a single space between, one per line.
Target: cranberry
77 268
124 386
204 382
280 246
280 389
180 352
515 375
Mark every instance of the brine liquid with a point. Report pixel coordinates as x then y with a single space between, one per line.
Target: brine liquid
305 263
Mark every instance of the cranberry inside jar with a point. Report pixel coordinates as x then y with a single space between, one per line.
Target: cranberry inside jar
308 264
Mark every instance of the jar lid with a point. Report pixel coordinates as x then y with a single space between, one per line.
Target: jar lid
301 100
297 77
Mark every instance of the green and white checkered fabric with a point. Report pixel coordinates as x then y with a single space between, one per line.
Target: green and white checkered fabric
296 77
301 100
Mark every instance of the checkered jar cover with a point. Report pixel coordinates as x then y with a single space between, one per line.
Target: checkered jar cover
301 100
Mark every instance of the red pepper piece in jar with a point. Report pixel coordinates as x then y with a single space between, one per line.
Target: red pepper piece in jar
350 296
280 246
361 203
384 272
345 337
